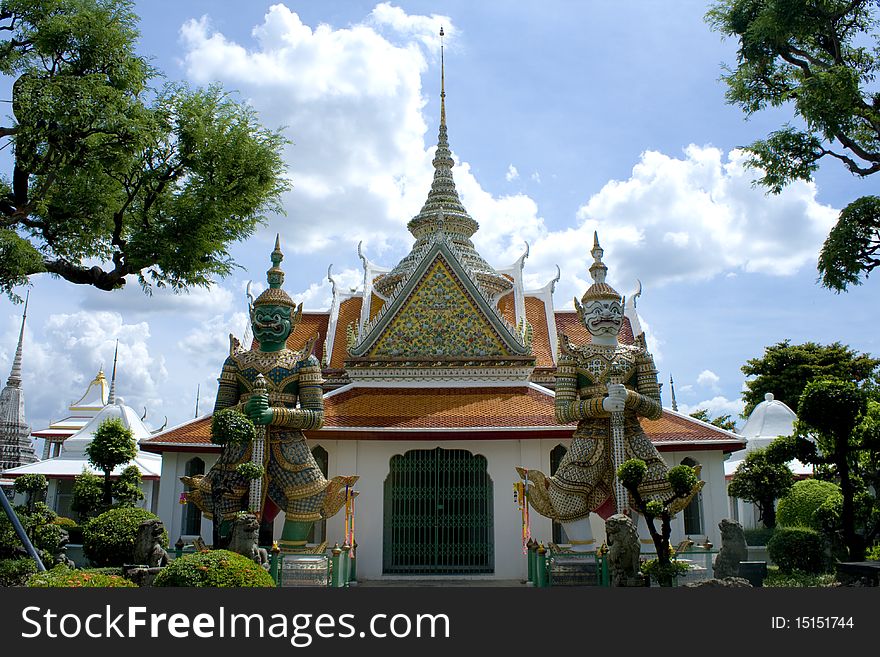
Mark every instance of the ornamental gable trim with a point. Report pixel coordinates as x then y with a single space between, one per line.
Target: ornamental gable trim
438 313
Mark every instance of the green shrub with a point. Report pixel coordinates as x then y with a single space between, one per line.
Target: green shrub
15 572
873 553
214 568
799 506
63 577
64 522
108 540
798 549
758 535
778 579
39 525
230 427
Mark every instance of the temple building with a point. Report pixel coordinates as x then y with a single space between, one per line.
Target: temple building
16 448
69 438
439 375
81 412
769 420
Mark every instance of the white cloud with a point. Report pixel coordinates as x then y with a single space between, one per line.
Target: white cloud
195 302
718 405
688 218
319 295
536 177
351 100
512 174
708 378
60 362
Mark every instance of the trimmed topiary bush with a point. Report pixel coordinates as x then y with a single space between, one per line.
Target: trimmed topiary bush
798 549
108 540
798 507
214 568
15 572
63 577
758 535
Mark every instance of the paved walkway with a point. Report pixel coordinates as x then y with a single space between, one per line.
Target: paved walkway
439 582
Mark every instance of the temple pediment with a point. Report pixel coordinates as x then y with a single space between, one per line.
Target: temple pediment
439 314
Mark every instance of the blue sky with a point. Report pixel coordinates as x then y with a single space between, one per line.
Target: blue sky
564 118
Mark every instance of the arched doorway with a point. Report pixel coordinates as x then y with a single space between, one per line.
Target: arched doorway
438 514
693 512
192 517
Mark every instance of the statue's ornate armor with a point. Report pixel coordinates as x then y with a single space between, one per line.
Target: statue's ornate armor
295 483
583 482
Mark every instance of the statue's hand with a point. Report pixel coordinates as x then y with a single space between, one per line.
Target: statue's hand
615 402
257 409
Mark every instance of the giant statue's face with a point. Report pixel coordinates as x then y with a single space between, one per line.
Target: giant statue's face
603 317
271 326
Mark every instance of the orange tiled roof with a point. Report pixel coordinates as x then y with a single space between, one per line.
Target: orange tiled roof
432 409
311 323
567 322
349 311
507 308
376 303
536 314
439 408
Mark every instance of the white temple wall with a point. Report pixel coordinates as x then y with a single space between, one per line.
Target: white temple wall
370 459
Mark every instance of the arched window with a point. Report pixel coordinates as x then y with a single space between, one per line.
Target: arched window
556 455
192 517
693 512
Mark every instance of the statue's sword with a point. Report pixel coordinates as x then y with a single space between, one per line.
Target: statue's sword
258 453
618 456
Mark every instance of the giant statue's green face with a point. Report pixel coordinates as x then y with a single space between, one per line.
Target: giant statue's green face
271 326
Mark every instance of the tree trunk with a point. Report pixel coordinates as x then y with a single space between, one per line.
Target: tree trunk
768 513
855 546
108 489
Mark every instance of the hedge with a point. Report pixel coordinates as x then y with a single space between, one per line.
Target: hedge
214 568
109 539
798 506
798 549
15 572
63 577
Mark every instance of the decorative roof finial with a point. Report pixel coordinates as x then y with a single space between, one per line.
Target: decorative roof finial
672 392
274 295
442 82
599 289
14 379
111 399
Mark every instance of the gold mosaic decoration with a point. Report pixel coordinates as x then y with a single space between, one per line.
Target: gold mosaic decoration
439 320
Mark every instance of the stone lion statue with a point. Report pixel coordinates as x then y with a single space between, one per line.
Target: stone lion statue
244 539
148 548
60 557
733 549
624 549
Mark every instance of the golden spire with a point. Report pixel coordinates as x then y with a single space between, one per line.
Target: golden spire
442 83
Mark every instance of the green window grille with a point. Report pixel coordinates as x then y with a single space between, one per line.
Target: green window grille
438 514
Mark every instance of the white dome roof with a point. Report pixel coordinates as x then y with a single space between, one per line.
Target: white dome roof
770 419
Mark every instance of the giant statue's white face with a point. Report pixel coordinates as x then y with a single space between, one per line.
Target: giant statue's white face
603 318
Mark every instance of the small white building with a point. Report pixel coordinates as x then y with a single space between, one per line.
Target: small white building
61 470
769 420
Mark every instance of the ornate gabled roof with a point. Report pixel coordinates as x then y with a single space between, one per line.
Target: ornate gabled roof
444 213
15 442
472 413
438 313
96 395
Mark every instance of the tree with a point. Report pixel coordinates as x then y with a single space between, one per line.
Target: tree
106 169
685 484
835 428
88 495
761 480
821 58
34 487
785 369
113 444
722 421
127 488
